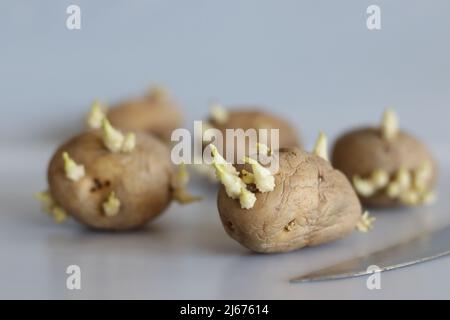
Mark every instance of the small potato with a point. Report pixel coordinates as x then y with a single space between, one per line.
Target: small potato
155 113
387 168
311 203
254 118
137 182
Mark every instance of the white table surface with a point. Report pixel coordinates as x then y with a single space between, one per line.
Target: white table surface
186 253
313 62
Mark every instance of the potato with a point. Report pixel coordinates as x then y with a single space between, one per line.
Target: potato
252 118
155 113
386 171
311 203
140 180
243 118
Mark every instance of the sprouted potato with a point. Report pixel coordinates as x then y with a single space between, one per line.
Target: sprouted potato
253 118
109 180
155 113
388 167
306 202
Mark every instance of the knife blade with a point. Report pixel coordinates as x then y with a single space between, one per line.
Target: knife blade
424 247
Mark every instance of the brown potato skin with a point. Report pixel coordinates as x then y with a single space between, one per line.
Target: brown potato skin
159 116
360 151
255 118
140 180
308 191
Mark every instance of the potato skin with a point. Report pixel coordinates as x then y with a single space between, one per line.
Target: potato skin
254 118
360 151
140 180
156 115
308 191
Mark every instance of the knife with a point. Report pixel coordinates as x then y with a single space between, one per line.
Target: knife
424 247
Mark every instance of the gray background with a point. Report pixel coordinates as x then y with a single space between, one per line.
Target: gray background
314 62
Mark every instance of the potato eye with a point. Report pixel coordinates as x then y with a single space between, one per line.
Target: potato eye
230 226
99 185
290 226
320 177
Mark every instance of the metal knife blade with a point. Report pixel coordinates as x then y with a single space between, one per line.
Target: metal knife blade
425 247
